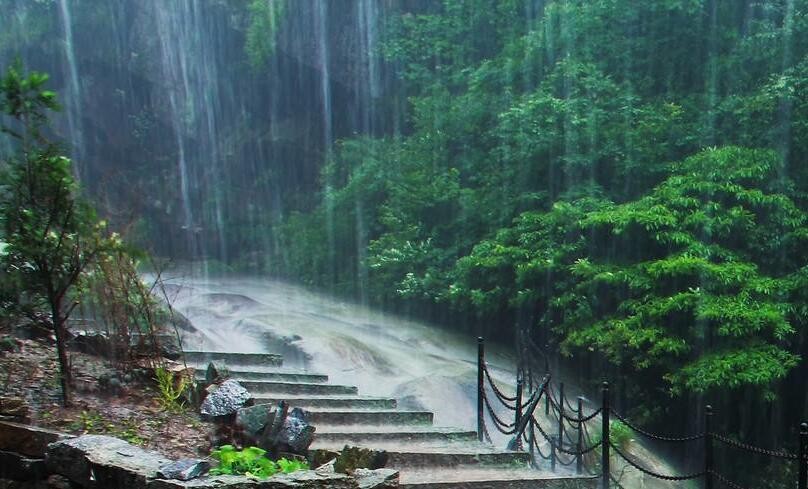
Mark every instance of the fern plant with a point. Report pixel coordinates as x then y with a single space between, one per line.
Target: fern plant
170 391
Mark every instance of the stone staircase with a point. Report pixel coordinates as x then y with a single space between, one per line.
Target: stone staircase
428 457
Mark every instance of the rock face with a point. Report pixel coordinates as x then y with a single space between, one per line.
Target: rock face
103 462
376 479
288 432
353 458
27 440
184 469
211 374
295 480
93 343
225 400
296 434
251 422
13 408
18 467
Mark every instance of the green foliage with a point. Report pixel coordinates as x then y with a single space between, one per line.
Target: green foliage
251 462
92 422
536 180
51 235
88 422
265 17
620 434
690 281
27 23
171 388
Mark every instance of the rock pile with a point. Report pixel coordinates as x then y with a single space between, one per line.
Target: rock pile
45 459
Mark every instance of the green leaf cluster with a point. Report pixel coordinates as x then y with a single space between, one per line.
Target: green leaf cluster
251 462
265 17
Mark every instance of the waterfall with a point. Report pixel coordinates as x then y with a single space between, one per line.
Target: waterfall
183 136
191 79
321 32
73 96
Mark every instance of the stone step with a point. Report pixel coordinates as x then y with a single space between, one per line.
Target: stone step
200 359
437 453
247 375
328 402
369 417
374 435
281 389
401 459
477 477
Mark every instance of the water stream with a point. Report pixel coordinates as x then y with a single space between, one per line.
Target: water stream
422 366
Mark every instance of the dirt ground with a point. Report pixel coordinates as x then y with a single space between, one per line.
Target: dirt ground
130 410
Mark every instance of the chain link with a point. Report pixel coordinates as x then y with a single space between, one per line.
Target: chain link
494 387
652 473
726 481
561 449
754 449
538 449
501 426
652 435
570 407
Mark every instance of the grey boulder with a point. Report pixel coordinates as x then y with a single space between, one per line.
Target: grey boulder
251 421
296 434
225 400
184 469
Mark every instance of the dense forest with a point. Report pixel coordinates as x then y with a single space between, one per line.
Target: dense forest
626 180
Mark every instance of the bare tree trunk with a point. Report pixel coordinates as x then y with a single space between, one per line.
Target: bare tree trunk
61 349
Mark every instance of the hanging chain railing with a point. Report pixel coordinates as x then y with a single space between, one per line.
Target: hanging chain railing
570 442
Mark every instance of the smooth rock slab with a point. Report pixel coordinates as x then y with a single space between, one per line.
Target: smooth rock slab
309 479
216 482
184 469
104 462
376 479
298 480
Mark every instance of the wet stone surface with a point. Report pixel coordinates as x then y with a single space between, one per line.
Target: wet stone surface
184 469
252 421
104 461
376 479
225 400
296 434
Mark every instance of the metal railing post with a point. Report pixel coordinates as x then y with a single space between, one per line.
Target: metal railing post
480 386
579 458
531 439
708 448
518 416
560 416
803 469
605 438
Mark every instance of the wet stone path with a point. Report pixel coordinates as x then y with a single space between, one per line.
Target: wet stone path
427 456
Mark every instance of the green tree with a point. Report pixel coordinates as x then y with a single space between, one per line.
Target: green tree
691 283
51 235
